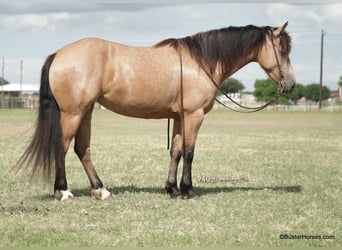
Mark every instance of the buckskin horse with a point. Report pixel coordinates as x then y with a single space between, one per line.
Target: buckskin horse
174 79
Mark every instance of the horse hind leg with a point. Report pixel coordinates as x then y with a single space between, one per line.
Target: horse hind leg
70 124
82 149
61 190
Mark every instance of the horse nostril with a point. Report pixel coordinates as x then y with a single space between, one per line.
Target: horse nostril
289 89
292 87
289 86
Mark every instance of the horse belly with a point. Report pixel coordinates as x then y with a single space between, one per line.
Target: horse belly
139 100
143 83
142 110
138 113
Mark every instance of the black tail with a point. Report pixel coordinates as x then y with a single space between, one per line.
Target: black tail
46 146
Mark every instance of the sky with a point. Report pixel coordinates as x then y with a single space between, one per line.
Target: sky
31 30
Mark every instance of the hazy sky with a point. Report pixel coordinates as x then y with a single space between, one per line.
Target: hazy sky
31 30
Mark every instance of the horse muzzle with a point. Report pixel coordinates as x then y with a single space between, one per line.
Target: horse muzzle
288 84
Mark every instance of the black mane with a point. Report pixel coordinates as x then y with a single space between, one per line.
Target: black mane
226 46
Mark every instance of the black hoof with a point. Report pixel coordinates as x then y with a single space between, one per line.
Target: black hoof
172 190
190 194
176 195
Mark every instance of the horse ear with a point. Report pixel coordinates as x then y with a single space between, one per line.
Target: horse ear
278 31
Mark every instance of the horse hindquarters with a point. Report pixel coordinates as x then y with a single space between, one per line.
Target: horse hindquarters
46 148
60 118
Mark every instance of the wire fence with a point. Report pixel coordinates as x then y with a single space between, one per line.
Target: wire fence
24 102
32 102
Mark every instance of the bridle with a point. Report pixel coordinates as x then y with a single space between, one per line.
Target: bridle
281 73
280 88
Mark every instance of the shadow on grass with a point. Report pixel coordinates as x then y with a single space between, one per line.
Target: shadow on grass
211 190
201 191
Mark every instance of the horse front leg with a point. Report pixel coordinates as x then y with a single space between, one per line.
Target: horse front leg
192 124
175 154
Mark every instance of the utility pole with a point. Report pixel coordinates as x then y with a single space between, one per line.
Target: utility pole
323 33
2 75
21 78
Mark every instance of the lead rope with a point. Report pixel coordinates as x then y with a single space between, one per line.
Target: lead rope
250 109
280 88
181 98
168 133
182 123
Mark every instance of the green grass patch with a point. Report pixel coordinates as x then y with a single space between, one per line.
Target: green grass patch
259 176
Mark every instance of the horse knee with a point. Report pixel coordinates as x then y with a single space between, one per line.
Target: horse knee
189 155
176 143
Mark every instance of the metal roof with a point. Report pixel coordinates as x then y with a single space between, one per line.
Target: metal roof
15 87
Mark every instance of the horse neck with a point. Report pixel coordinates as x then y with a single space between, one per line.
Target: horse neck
221 74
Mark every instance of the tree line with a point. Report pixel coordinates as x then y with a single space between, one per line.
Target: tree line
265 90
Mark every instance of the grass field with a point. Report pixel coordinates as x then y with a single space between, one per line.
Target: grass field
259 176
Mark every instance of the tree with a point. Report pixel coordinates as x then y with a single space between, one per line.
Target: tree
340 87
312 92
3 81
264 90
340 82
297 93
231 85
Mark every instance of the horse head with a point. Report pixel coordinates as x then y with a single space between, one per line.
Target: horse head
274 58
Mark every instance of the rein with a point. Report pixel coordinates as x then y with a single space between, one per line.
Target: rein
280 89
181 98
181 104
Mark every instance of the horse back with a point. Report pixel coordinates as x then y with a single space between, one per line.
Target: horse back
133 81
